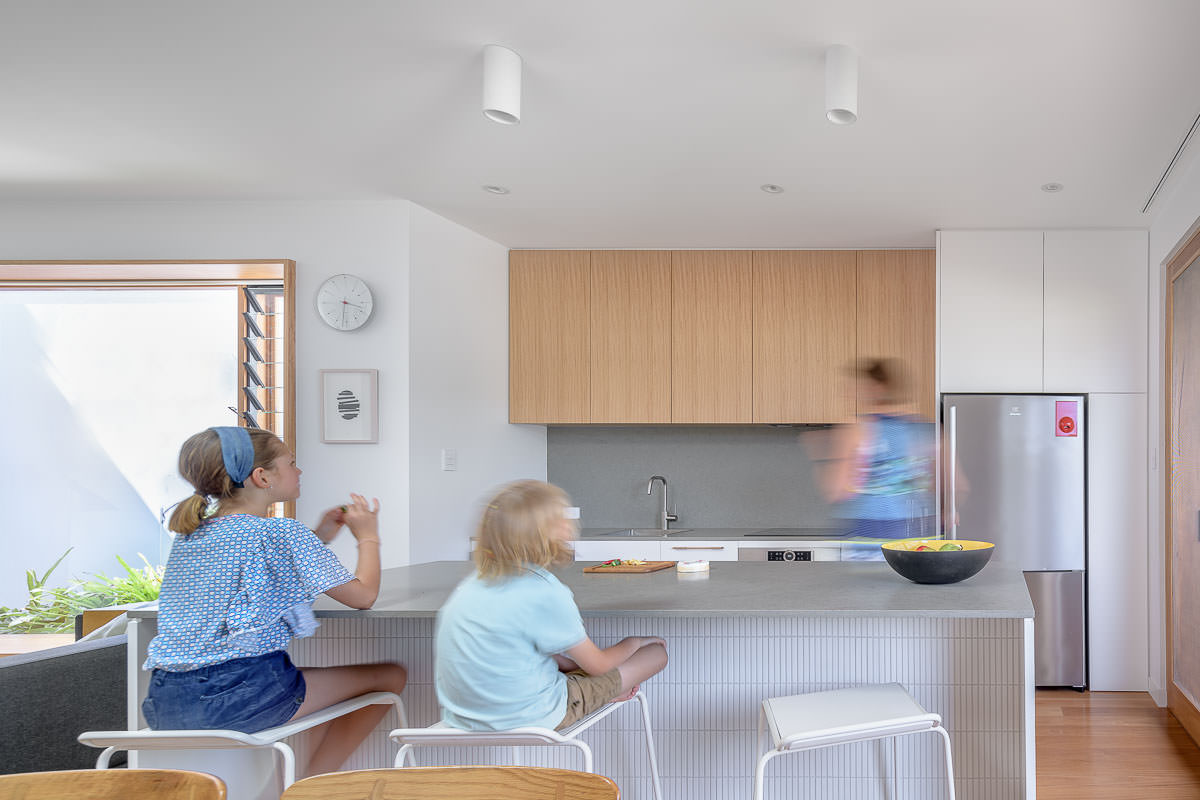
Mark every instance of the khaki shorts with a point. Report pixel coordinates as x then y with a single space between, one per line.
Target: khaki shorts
586 693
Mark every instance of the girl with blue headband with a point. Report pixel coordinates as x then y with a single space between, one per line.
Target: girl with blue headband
239 586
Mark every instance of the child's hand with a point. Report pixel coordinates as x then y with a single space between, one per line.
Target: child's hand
362 518
331 522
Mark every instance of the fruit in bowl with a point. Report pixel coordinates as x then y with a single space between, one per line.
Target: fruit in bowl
937 560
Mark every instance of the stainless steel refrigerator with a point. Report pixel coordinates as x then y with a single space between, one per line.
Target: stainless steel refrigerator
1016 476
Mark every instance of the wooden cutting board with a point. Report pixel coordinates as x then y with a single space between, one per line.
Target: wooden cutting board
649 566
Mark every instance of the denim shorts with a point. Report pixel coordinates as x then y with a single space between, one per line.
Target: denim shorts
243 694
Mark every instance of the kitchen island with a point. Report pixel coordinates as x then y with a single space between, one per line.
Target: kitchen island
739 633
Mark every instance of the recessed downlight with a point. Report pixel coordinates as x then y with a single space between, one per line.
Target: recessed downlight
494 189
772 188
1052 187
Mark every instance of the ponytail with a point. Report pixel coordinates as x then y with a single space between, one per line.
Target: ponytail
202 464
188 514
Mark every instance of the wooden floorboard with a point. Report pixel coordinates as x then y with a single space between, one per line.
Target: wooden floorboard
1110 745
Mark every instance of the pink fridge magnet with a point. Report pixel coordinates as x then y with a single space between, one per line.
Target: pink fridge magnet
1066 412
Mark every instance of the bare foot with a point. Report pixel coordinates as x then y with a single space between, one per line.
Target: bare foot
628 695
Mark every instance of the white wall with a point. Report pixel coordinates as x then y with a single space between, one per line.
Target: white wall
459 386
1176 212
369 239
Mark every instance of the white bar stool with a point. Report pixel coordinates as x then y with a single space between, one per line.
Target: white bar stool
442 735
253 765
860 713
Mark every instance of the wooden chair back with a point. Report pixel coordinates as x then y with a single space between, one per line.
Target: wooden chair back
114 784
457 783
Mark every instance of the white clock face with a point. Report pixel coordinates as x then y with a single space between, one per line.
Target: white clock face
344 302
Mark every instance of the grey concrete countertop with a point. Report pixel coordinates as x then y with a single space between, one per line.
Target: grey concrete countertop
729 588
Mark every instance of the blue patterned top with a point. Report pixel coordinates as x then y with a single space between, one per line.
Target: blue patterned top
240 586
894 470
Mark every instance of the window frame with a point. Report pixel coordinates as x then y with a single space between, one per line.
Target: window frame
182 274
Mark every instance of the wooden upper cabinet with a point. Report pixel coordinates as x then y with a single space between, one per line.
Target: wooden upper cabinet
712 337
630 336
549 336
804 335
897 297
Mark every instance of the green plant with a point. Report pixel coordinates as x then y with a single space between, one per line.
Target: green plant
53 610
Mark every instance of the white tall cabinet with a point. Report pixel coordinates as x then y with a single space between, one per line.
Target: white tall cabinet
1094 311
990 311
1066 311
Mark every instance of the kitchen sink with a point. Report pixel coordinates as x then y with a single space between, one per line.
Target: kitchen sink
645 532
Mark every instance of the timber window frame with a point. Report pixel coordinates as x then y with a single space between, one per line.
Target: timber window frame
265 346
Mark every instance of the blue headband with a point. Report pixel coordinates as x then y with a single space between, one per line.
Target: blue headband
237 451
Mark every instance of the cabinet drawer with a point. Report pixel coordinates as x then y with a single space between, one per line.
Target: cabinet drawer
593 550
695 550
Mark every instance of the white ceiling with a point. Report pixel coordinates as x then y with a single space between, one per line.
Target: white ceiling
645 124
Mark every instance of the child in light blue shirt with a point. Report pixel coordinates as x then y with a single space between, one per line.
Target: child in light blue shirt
510 647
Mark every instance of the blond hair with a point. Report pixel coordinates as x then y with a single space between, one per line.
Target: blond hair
518 529
202 465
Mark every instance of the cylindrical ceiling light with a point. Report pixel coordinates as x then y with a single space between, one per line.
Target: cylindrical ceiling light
841 84
501 84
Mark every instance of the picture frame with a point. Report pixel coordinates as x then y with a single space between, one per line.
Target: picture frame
349 406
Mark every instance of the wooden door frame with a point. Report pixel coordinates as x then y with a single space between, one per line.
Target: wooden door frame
1184 257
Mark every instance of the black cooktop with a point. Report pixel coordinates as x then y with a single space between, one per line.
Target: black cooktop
801 533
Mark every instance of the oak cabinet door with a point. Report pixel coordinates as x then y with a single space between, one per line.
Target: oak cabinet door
630 336
896 317
804 335
549 329
712 356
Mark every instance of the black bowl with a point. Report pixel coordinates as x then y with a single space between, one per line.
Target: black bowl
937 566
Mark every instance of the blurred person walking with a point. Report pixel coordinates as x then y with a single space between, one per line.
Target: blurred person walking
881 480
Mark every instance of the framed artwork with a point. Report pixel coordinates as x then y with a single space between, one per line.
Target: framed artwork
349 406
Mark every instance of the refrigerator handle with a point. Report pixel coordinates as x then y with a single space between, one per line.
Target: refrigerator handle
953 468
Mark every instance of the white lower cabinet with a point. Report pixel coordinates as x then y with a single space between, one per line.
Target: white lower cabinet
728 551
695 549
604 549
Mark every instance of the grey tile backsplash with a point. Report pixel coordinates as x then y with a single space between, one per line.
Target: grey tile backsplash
718 476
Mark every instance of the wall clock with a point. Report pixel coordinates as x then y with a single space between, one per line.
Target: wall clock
344 302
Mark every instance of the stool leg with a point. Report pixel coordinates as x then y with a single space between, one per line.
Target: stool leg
949 761
650 746
401 716
588 762
760 740
760 773
289 763
105 756
895 771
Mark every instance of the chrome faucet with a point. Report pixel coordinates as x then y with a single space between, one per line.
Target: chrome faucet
664 519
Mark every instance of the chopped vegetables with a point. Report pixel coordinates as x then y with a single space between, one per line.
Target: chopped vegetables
629 562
